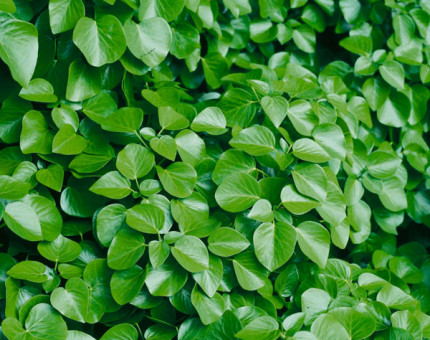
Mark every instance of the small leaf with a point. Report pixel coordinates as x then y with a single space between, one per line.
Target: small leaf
112 185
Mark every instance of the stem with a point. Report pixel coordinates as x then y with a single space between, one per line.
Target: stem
141 139
261 171
159 133
139 330
256 95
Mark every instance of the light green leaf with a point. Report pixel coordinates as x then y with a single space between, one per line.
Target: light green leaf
166 280
84 81
382 164
150 40
310 180
161 8
64 14
306 149
262 211
263 327
214 67
126 249
256 141
19 43
126 284
146 218
274 244
32 271
51 177
126 119
227 242
112 185
191 253
393 73
39 90
123 331
249 272
210 120
35 135
275 108
164 146
178 179
314 241
61 249
67 142
295 202
238 192
210 279
134 161
209 309
331 138
102 41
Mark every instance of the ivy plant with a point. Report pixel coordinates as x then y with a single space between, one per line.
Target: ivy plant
214 169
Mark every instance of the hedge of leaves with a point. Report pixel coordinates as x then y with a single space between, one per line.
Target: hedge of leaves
214 169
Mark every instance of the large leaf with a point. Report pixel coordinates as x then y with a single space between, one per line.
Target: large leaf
102 41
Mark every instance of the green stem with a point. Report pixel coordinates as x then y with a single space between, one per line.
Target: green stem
140 138
139 330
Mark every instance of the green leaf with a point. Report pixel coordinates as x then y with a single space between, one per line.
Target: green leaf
227 242
19 49
102 41
358 44
210 120
51 177
314 241
310 180
146 218
274 244
83 82
126 284
395 110
39 90
109 220
134 161
263 327
394 297
72 301
112 185
214 67
382 164
238 107
67 142
150 40
327 326
34 219
191 253
306 149
314 302
256 141
126 119
331 138
178 179
64 14
35 135
158 253
191 147
170 119
164 146
238 192
359 325
43 322
392 72
249 272
232 162
123 331
275 108
32 271
304 38
210 309
262 211
161 8
166 280
210 279
11 188
126 249
295 202
61 249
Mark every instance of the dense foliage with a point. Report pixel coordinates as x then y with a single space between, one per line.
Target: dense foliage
214 169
